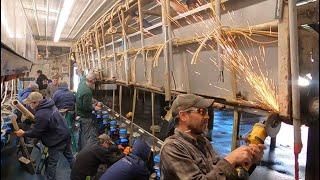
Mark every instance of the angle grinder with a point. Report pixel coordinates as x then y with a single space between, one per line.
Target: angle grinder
257 135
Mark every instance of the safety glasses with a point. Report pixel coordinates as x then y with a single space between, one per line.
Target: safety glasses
201 111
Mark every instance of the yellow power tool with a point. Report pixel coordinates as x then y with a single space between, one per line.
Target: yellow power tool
257 135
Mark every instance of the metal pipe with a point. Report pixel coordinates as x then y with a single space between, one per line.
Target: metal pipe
142 38
134 100
166 30
294 56
22 109
120 99
103 41
5 92
21 140
152 118
235 130
125 48
114 69
47 19
186 71
81 14
93 58
98 49
113 98
36 16
220 61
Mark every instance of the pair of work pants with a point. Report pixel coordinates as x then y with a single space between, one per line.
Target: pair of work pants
88 132
63 147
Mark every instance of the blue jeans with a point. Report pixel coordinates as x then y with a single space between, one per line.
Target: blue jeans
63 147
88 132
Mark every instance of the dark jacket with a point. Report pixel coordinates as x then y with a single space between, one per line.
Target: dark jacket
24 94
50 126
185 157
131 167
89 159
42 81
64 99
84 101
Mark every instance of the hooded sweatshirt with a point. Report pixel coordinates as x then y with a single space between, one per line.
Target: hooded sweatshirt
64 99
50 126
24 94
131 167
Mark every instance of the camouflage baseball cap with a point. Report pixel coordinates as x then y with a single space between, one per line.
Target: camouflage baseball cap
33 96
184 102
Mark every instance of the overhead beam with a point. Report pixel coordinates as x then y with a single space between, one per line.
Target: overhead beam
56 44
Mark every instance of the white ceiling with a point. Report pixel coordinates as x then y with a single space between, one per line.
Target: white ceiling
37 14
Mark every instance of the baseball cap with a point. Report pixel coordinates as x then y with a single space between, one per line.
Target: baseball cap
33 96
105 137
184 102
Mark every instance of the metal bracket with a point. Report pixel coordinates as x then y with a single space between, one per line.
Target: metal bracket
279 9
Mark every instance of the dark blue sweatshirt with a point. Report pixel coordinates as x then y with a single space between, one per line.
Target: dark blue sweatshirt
64 99
131 167
50 126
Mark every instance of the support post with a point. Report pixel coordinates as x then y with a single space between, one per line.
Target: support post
220 61
186 71
294 63
134 100
98 48
113 98
152 118
142 39
235 129
120 99
125 48
167 51
283 63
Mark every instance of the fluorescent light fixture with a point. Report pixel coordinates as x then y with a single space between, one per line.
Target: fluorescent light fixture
4 22
305 2
303 82
63 18
309 76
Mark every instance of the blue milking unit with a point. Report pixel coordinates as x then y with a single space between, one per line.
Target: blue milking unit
123 137
156 167
6 129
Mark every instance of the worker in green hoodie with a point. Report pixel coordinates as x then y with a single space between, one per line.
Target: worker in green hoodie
84 108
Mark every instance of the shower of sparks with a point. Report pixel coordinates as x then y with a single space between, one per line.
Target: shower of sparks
239 60
233 52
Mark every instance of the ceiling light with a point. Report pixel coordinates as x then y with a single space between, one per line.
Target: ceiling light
303 82
63 18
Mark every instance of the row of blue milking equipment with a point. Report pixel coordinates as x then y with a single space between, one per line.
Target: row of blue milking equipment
118 132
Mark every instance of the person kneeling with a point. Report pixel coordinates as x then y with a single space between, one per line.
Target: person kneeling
89 158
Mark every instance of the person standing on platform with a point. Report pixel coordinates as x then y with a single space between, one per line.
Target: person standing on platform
84 108
51 128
